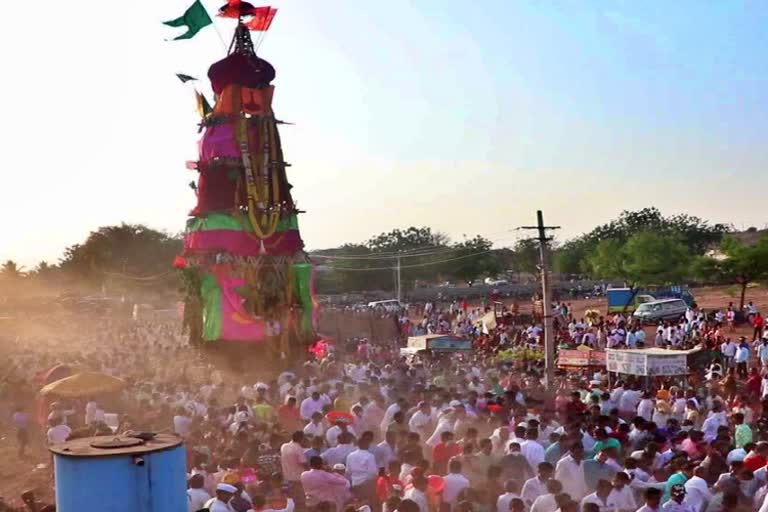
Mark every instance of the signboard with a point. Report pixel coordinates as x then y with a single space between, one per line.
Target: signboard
648 362
581 358
449 343
626 361
667 365
417 342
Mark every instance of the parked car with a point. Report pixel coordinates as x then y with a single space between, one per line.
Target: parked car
660 310
389 306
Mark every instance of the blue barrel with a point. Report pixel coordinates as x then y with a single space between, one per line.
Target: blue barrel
121 474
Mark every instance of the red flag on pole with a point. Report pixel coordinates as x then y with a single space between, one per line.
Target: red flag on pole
262 19
235 9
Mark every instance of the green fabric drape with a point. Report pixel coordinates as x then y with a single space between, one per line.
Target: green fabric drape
302 282
225 221
211 294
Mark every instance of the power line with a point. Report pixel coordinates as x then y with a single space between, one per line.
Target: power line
411 253
379 254
415 265
137 278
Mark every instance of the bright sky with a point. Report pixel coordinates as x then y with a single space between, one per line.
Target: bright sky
463 116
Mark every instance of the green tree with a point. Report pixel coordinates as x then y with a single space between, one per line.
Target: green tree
526 256
696 234
126 250
645 259
424 255
409 239
737 263
571 257
11 270
44 270
471 259
420 250
350 268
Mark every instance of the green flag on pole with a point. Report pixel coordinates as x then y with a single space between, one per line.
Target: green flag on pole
195 19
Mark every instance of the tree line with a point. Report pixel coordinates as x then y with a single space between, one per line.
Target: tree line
639 248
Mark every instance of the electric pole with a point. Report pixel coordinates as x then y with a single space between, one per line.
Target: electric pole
398 282
549 335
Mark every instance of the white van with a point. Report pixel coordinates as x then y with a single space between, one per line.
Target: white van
661 310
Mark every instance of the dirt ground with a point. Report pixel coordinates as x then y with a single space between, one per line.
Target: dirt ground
708 298
34 471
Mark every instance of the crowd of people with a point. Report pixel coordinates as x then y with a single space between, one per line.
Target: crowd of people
360 427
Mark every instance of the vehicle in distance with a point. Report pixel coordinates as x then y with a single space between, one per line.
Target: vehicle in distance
387 305
660 310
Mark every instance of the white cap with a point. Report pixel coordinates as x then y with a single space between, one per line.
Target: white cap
226 488
339 467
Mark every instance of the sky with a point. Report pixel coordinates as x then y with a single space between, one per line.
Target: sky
463 116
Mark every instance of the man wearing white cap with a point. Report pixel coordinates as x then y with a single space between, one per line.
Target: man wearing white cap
450 421
224 493
421 420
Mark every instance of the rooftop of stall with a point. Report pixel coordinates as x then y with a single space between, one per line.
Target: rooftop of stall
121 474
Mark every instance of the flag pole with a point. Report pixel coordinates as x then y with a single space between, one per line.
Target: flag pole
221 38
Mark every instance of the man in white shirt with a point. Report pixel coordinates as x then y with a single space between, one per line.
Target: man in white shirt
697 493
338 454
418 493
622 495
196 494
570 472
339 428
546 502
224 493
292 458
601 497
512 489
389 414
421 420
312 404
628 402
58 431
315 427
728 349
385 451
616 394
652 500
536 486
531 449
362 472
182 423
455 482
677 502
90 411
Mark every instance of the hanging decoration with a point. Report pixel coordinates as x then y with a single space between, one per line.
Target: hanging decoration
245 272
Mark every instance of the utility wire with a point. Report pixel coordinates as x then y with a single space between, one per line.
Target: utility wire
138 278
412 253
379 254
415 265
